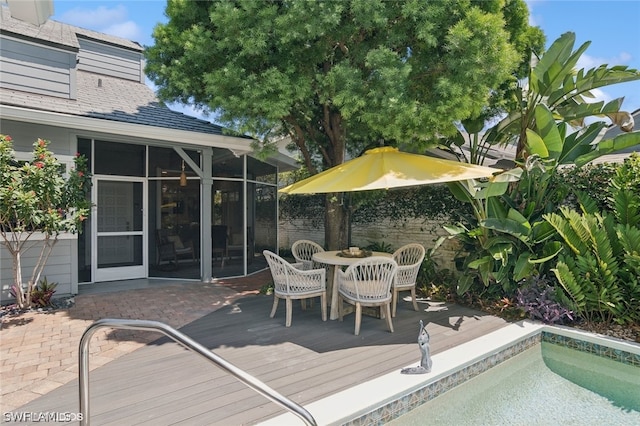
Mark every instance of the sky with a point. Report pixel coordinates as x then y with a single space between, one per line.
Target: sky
612 27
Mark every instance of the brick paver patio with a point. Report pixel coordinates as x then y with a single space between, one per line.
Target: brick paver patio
39 350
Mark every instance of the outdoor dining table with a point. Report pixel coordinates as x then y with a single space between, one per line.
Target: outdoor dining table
335 259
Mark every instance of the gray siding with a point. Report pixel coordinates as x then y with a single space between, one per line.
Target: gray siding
36 69
63 140
100 58
59 267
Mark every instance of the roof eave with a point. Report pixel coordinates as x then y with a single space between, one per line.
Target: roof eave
237 145
284 162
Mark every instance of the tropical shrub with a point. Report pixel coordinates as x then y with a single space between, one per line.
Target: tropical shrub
42 294
592 179
433 281
380 246
600 267
504 242
38 196
507 238
627 176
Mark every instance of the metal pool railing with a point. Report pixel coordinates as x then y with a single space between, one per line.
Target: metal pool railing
190 344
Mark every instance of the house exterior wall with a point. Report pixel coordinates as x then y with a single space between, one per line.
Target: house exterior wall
37 68
61 266
24 135
100 58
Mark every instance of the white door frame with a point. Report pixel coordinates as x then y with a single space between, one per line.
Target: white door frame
123 272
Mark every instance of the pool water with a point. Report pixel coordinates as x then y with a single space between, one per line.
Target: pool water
546 384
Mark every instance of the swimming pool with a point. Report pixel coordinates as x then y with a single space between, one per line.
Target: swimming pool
386 398
545 384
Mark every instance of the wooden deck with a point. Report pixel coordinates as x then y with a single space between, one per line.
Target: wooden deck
164 384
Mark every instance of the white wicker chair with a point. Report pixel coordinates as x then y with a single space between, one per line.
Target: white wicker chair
367 282
293 283
303 250
409 259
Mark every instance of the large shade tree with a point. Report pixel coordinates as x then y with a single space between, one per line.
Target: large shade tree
338 76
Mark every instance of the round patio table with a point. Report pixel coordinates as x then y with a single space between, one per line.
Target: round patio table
332 259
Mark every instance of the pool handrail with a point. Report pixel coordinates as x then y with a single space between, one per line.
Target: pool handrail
189 343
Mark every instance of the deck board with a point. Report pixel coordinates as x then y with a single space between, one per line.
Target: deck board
163 383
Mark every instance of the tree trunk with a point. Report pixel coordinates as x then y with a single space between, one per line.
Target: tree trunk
20 293
23 295
335 218
335 223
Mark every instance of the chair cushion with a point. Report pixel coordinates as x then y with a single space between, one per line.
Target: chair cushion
177 242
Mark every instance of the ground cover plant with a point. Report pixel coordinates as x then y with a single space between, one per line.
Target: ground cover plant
42 294
538 297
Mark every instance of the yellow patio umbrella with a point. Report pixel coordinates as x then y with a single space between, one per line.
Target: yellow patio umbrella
387 167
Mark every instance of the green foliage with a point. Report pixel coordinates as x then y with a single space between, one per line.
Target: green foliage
380 246
435 282
267 289
627 176
297 207
599 181
275 63
336 77
508 239
427 202
600 268
35 196
502 245
594 180
555 92
626 207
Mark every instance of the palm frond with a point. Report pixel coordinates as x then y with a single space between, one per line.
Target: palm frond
568 281
626 207
587 204
569 235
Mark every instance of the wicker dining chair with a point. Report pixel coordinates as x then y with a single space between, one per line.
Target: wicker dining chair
303 250
290 283
367 282
409 259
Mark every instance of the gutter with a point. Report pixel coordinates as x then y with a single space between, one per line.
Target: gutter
238 146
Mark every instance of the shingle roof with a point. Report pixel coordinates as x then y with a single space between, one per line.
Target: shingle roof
58 33
111 98
98 96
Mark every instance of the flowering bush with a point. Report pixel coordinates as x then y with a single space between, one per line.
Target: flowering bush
37 196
